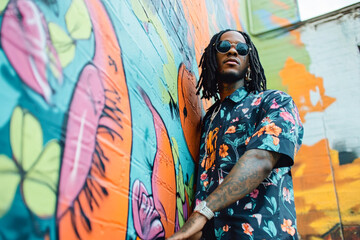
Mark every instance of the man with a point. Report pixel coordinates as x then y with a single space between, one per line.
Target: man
249 139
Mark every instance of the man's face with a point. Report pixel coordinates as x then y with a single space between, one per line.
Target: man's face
231 66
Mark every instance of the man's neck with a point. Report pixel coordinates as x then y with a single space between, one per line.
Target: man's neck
226 89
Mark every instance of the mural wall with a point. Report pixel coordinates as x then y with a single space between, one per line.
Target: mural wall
99 121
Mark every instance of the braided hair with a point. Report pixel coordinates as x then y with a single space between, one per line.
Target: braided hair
207 81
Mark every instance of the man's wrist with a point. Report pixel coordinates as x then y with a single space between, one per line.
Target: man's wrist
204 210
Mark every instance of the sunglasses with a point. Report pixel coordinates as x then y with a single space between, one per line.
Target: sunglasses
224 46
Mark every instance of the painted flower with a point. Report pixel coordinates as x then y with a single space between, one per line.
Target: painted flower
287 227
203 176
206 183
272 129
254 193
247 228
146 217
34 166
256 102
231 129
226 228
274 104
286 194
276 141
223 150
287 117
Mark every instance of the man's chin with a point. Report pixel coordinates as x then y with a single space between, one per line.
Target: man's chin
229 77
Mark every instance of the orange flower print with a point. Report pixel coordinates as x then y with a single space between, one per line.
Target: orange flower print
276 141
260 132
211 146
247 228
226 228
286 227
272 129
231 129
247 141
223 150
205 183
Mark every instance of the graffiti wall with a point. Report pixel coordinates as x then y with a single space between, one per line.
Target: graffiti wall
99 121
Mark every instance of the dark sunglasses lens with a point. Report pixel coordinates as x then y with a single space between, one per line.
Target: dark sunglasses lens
223 46
242 49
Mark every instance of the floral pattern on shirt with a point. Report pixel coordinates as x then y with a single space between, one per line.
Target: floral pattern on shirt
266 120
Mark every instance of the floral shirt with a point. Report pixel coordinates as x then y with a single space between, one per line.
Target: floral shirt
266 120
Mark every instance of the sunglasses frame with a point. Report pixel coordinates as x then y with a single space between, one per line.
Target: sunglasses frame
216 44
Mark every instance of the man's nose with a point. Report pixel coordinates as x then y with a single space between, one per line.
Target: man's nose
232 49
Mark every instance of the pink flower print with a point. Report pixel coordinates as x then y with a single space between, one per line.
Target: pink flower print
287 227
286 194
287 117
245 110
258 217
256 102
254 193
203 176
234 120
274 104
248 206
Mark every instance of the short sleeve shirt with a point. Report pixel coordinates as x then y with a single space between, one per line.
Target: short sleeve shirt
266 120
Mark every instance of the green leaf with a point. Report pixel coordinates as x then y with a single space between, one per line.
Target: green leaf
180 183
16 124
9 180
41 181
32 141
39 197
3 5
63 44
25 138
78 20
272 228
180 210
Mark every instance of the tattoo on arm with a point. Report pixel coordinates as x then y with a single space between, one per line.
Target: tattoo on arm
249 171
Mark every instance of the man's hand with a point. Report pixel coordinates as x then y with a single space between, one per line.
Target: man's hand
192 228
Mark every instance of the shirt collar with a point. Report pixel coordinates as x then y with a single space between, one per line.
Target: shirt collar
238 95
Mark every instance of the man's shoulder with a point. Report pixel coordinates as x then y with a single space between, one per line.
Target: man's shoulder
271 94
211 109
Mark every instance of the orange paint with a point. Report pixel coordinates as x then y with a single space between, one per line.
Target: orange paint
315 198
233 8
196 15
108 218
281 4
285 22
163 180
301 84
190 110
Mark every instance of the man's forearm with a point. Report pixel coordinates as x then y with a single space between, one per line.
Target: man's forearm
249 171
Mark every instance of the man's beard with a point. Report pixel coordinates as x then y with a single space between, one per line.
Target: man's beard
230 77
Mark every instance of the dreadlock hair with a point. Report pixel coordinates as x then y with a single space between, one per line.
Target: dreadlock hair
207 81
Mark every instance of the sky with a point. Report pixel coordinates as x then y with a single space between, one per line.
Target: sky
313 8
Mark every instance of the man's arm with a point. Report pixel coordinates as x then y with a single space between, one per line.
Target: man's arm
248 172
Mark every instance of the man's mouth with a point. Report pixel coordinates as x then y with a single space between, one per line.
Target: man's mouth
231 61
